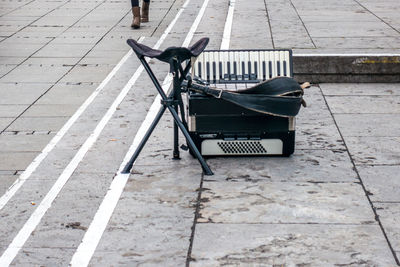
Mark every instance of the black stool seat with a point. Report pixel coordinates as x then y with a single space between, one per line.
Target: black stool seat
181 53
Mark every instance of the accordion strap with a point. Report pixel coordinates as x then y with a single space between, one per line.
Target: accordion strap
281 96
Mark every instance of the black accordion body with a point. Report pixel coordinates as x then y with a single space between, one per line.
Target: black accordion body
220 127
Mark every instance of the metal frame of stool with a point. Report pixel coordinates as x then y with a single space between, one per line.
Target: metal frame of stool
173 102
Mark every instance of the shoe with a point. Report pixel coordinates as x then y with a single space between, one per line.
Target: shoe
145 11
136 17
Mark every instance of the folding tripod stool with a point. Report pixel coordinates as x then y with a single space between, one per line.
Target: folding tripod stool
175 57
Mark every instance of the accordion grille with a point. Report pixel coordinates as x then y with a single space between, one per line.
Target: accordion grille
245 147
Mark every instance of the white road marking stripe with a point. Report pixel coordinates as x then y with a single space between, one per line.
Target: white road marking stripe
49 147
226 38
96 229
30 225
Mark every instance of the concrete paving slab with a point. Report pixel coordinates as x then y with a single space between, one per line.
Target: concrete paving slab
87 74
59 18
162 208
27 124
318 166
64 50
35 74
4 122
353 89
53 110
18 210
43 256
16 160
307 245
18 38
318 135
51 61
374 150
23 142
377 125
12 60
44 32
357 42
389 214
354 29
245 35
18 50
249 202
67 94
4 69
21 93
364 104
11 111
6 181
382 182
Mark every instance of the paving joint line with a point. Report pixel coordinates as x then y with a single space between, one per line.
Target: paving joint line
377 18
196 216
302 22
162 19
269 24
290 223
367 193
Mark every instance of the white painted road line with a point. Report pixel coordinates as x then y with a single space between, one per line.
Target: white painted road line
226 37
30 225
50 146
97 227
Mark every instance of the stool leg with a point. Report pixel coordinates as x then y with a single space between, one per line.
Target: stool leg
206 168
153 125
176 138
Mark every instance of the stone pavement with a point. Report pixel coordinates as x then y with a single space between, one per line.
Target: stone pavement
335 202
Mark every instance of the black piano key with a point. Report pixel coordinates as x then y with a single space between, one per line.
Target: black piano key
228 70
284 68
270 69
264 68
249 65
199 65
243 69
255 75
214 71
208 71
278 66
220 71
234 76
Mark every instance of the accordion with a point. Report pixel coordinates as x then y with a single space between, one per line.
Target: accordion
220 127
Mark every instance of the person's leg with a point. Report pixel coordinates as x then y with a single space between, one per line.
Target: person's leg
136 14
145 10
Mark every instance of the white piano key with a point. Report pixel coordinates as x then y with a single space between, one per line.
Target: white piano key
267 59
216 59
211 59
206 60
256 67
281 60
287 59
246 59
273 66
225 74
231 60
238 65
